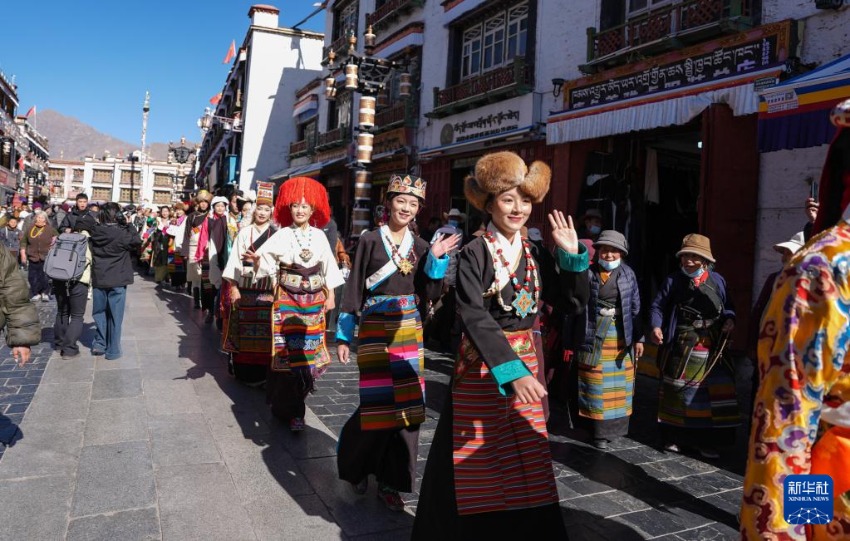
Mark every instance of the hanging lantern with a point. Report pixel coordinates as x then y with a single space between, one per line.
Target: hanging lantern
367 112
351 76
364 147
369 38
404 85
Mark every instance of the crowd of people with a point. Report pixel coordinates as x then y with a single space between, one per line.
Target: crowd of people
523 321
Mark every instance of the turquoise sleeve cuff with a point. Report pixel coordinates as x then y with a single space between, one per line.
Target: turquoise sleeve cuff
435 268
508 372
345 327
574 262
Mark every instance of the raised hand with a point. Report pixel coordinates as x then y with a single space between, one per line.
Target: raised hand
563 233
445 245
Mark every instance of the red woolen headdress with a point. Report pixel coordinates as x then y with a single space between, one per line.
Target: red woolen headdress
297 188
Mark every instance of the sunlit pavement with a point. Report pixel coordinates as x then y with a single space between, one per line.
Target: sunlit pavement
164 444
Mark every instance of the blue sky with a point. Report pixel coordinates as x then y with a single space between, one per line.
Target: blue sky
94 59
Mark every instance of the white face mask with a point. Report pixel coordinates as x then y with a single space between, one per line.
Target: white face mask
610 265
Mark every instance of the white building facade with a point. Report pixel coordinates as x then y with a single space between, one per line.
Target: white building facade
246 137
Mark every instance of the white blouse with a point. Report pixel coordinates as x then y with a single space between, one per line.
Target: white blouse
284 248
235 269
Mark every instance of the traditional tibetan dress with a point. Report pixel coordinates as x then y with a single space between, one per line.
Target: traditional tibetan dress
159 246
801 419
233 226
247 331
697 404
606 364
489 471
382 437
176 262
195 268
305 270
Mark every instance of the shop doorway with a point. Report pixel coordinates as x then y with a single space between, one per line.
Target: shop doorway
647 186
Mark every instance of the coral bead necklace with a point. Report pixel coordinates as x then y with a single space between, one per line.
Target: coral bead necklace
528 293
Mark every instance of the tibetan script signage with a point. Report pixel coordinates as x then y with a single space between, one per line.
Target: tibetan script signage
491 124
761 48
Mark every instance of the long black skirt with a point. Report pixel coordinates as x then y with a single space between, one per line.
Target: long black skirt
437 516
389 455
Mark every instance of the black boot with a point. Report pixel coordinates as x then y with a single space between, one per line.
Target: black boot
196 294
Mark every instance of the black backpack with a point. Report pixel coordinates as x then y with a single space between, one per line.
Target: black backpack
66 259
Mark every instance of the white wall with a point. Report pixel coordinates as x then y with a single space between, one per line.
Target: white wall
278 65
782 187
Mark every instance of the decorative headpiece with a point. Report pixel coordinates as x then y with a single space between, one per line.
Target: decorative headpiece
499 172
203 195
407 185
265 193
311 191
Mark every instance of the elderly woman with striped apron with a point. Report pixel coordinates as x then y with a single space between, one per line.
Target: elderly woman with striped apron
613 341
489 473
692 318
391 268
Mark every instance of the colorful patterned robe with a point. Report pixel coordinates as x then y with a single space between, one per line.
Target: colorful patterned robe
801 420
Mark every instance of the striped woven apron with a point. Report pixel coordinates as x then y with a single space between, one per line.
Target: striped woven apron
500 446
246 331
606 375
298 332
391 360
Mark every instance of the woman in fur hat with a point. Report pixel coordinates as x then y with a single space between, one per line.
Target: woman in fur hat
391 268
299 257
192 233
489 472
246 332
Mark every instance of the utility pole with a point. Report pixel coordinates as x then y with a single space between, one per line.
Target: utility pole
146 107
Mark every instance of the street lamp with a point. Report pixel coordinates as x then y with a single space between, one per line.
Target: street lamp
181 155
368 76
133 158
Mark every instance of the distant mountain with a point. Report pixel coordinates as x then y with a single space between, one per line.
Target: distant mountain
71 139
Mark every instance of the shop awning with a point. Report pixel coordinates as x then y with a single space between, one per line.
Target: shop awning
468 144
795 113
670 108
303 170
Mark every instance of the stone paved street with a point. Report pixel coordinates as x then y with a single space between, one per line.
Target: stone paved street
164 444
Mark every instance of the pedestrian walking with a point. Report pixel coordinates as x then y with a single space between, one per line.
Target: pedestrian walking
692 318
391 268
112 243
35 243
71 299
80 210
299 257
11 236
489 472
18 316
611 344
212 253
247 329
801 420
194 223
159 242
176 231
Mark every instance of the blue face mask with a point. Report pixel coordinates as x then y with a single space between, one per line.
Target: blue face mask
594 230
696 274
609 265
454 223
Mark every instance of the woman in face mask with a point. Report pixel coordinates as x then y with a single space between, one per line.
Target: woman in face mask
613 341
692 318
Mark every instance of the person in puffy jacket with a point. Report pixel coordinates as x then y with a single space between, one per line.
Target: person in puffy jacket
18 315
113 241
